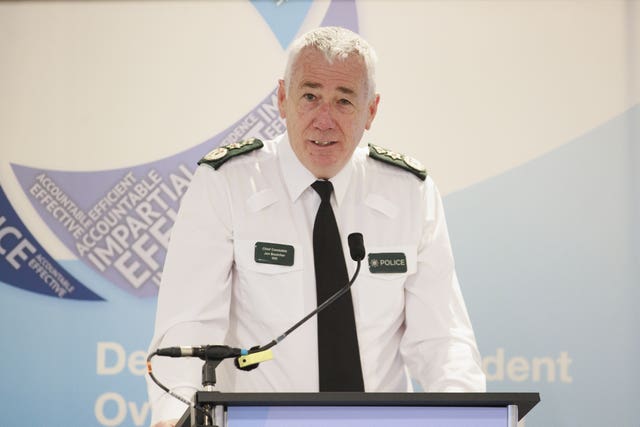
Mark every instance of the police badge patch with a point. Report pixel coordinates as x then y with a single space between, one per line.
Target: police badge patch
388 262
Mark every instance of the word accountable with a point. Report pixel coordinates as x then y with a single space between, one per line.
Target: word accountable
126 232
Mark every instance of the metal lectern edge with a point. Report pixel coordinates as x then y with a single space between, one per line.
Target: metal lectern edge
523 402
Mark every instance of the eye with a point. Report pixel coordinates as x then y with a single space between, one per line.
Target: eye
344 101
309 96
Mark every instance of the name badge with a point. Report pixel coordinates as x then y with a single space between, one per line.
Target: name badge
273 253
390 262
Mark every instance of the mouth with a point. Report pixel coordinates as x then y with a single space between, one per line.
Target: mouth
322 143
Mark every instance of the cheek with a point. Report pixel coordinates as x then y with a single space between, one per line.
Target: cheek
303 119
354 126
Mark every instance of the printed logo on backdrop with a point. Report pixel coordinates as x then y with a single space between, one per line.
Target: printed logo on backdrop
118 222
25 264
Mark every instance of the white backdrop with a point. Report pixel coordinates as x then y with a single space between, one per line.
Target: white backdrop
526 113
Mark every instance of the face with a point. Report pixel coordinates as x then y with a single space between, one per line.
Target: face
327 110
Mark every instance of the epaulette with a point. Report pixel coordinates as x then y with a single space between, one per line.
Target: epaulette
216 157
400 160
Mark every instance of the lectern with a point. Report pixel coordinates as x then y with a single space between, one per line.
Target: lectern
361 409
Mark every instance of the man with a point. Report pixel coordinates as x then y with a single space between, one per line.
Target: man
216 289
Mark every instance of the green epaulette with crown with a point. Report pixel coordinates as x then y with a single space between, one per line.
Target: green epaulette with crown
400 160
216 157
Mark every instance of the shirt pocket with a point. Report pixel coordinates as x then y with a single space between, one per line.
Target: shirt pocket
380 295
271 293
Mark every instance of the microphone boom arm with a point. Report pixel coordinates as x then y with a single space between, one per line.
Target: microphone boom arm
318 309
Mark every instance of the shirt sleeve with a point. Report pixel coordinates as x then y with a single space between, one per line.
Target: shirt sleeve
195 291
438 345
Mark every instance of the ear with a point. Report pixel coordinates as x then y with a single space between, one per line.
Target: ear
373 109
282 97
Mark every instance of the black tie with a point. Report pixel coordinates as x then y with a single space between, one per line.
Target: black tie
338 353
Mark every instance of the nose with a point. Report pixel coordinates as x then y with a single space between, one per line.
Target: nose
323 119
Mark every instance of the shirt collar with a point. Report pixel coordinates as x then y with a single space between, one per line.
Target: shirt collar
341 181
298 178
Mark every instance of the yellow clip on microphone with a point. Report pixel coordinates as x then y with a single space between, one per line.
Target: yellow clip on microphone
254 358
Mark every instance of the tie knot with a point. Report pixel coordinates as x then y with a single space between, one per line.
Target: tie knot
324 189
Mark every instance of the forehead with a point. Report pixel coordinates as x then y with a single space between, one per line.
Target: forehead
312 68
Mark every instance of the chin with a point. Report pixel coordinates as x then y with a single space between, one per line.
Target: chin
325 172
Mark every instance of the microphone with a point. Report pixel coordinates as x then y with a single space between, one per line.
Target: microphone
207 352
248 360
356 246
357 252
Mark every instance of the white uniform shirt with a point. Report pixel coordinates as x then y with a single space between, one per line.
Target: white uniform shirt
214 292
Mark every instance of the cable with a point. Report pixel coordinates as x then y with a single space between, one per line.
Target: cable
167 390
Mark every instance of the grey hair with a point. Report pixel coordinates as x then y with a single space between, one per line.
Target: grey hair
335 43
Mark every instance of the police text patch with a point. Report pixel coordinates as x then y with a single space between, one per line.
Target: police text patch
389 262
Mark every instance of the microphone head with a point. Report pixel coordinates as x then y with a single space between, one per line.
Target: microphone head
356 246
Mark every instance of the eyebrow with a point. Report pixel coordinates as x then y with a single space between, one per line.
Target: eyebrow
343 89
